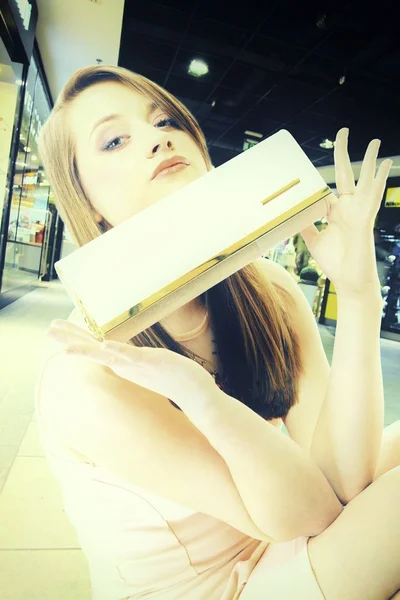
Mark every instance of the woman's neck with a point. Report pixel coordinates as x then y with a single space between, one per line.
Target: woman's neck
186 318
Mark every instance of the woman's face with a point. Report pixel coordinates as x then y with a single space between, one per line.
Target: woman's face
121 139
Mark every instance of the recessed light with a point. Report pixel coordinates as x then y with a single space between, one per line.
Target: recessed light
213 103
27 149
34 157
254 134
327 144
198 68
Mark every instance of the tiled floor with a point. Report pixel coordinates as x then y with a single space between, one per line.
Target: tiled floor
13 278
40 557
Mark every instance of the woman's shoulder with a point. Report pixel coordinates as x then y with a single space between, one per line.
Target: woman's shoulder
280 279
275 273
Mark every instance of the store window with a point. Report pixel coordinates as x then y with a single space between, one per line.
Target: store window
294 256
31 216
387 251
10 97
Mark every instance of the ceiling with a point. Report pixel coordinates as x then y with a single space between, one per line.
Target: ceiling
74 33
274 65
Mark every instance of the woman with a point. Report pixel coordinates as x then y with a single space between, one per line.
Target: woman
173 469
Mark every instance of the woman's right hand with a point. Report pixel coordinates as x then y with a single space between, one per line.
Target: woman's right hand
162 371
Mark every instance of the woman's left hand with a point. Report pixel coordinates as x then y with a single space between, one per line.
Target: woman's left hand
345 250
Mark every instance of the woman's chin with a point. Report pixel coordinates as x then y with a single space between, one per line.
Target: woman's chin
176 181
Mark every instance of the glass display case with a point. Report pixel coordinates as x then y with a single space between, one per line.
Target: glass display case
11 83
30 216
388 261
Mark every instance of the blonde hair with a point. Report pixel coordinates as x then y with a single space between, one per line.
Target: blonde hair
57 146
255 336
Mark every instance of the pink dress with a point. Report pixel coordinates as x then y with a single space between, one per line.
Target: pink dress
142 546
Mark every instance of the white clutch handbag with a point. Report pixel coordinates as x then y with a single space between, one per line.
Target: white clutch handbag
144 269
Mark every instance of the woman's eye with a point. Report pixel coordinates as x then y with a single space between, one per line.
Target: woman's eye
167 122
114 143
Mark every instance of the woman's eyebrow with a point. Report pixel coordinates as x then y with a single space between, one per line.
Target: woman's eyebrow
104 120
151 107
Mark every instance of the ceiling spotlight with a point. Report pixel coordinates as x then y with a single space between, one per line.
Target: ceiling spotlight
321 22
213 103
327 144
254 134
342 80
197 68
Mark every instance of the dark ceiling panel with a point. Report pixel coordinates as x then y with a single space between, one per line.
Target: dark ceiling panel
158 15
279 56
302 24
238 15
212 30
319 71
346 45
251 79
188 87
148 53
308 67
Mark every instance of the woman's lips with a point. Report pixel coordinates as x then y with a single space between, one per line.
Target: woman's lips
173 169
167 164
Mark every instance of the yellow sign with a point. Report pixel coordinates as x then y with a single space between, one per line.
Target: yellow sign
393 198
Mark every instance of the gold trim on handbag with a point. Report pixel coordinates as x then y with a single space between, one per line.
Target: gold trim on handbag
99 331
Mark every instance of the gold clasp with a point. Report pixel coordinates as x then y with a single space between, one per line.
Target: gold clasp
281 191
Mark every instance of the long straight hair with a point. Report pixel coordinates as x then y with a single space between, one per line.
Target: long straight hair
255 336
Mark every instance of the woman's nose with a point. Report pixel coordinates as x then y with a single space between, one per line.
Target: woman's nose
163 143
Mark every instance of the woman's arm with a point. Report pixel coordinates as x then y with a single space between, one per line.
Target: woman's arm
348 434
284 491
339 416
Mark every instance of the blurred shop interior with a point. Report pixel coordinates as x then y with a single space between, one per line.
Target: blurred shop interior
244 78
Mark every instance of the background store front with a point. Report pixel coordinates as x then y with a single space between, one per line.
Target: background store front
28 217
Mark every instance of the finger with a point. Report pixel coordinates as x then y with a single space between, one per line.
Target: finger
66 338
344 173
96 353
378 187
60 328
63 324
368 167
310 235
